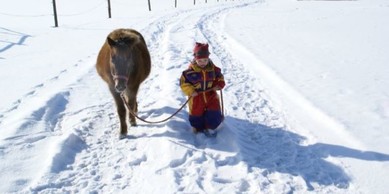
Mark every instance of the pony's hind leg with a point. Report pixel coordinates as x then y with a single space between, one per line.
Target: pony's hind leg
121 110
134 107
132 118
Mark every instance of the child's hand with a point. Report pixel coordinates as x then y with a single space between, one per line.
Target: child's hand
194 94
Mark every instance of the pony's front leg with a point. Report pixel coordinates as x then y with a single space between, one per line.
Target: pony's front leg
121 110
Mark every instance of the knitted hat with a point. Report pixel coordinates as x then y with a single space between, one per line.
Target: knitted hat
200 51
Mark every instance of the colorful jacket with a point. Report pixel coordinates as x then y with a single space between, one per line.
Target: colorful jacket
200 80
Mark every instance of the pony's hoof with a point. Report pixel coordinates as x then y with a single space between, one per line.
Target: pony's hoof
133 124
122 136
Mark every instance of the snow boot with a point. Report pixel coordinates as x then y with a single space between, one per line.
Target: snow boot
210 133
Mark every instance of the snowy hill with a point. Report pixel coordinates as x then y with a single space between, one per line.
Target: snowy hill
306 103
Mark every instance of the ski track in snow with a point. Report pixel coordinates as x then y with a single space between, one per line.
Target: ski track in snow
264 141
256 148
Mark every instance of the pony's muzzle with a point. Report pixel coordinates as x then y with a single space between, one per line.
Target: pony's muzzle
120 87
120 83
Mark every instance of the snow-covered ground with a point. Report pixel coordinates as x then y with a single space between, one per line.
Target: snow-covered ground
306 101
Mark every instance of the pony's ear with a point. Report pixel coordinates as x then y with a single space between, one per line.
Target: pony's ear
111 42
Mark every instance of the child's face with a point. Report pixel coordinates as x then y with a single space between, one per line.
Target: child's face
202 62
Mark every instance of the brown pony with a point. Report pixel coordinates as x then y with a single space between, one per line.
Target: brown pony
124 63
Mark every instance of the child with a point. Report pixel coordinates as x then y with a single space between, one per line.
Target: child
200 81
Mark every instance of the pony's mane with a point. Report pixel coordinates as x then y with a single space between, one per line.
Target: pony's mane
125 36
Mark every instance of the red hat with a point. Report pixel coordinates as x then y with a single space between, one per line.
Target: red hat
201 51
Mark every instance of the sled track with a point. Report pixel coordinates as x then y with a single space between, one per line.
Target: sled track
95 148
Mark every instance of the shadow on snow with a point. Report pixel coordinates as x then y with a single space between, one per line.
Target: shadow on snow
21 38
272 149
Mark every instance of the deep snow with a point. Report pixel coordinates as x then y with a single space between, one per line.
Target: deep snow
306 103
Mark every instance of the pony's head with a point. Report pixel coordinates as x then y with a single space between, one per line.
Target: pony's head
122 59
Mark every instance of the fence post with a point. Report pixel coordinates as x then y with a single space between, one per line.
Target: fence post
55 14
149 5
109 8
194 2
175 3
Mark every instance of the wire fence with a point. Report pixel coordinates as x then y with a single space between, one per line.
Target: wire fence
99 5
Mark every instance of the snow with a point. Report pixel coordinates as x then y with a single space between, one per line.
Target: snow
306 100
